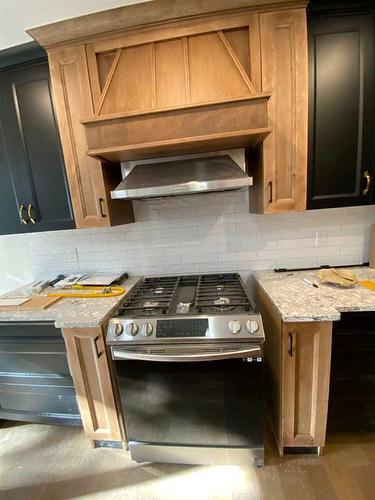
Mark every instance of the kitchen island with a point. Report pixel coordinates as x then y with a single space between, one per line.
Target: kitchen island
298 320
82 324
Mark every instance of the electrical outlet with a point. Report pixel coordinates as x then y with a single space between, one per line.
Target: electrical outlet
320 238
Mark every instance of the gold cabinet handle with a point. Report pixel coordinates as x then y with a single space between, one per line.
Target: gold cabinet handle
21 208
367 176
31 218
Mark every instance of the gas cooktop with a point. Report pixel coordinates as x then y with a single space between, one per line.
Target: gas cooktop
173 308
181 295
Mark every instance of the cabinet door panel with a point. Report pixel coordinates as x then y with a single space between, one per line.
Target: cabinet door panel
341 58
90 370
72 101
306 356
90 181
33 147
10 199
284 74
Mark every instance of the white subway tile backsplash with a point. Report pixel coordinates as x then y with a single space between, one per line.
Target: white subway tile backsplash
207 233
199 258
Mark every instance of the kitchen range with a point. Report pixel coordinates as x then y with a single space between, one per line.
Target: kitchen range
188 355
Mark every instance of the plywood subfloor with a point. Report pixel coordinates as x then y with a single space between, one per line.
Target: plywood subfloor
52 463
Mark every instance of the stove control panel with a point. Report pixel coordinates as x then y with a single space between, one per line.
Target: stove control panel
182 329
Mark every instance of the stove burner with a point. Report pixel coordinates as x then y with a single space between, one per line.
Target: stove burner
150 305
222 301
183 307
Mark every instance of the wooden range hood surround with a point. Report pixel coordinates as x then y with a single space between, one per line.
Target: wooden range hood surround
171 76
182 88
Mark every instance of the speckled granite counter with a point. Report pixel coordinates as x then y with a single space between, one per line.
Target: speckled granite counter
71 312
299 301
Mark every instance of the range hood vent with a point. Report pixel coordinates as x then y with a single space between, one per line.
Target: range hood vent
184 176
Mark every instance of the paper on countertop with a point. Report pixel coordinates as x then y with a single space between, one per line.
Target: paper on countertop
13 302
99 279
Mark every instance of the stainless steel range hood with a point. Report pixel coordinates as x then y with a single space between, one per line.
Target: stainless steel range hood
181 175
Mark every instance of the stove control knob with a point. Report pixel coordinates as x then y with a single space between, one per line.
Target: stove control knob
146 329
117 329
234 326
252 326
131 329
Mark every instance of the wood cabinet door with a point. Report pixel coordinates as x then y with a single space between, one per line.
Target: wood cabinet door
306 360
341 110
34 158
90 369
90 182
284 75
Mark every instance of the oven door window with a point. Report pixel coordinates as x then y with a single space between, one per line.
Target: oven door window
215 403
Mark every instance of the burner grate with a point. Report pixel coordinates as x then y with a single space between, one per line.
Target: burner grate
211 293
153 296
222 292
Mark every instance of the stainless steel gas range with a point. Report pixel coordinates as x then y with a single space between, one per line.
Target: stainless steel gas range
188 356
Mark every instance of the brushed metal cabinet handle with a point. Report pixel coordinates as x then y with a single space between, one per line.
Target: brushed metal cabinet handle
367 176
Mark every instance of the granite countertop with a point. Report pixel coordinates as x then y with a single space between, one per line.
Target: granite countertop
299 301
70 312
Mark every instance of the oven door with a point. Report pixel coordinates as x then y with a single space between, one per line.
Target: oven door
193 404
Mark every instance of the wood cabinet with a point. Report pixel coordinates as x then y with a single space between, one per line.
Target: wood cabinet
297 365
281 171
90 366
90 180
306 359
34 194
341 107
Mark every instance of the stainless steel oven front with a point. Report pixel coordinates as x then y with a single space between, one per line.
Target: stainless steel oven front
193 403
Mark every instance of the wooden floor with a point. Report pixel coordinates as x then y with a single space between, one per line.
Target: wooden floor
52 463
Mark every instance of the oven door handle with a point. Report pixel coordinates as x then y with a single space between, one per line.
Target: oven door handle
255 352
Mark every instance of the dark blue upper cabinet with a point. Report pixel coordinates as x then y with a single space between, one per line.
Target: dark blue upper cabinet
34 190
341 104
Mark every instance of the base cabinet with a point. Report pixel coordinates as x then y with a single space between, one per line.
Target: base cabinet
306 358
297 372
91 371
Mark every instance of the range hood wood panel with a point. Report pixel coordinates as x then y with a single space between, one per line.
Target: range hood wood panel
229 140
217 126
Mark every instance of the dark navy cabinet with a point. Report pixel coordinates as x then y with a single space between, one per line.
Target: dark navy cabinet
34 191
341 104
35 381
